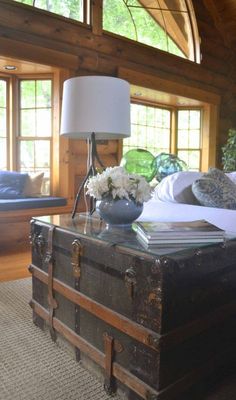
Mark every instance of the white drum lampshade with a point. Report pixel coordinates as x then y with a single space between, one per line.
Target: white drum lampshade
96 104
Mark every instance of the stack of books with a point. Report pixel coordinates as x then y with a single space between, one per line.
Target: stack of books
178 233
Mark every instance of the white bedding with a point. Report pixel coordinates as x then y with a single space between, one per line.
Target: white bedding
157 210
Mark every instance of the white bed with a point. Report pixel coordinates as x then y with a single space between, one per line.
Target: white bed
157 210
173 200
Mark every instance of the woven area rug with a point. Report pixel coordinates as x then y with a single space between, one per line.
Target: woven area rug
32 367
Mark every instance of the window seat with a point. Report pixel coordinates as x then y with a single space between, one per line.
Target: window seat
31 202
16 214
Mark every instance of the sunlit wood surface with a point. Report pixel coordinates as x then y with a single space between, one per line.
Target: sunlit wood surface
14 266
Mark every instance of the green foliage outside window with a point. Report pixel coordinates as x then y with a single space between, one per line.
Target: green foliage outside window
129 19
68 8
229 152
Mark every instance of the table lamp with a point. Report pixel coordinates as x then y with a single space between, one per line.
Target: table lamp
95 108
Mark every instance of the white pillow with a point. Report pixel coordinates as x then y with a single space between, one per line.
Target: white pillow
177 188
33 185
232 176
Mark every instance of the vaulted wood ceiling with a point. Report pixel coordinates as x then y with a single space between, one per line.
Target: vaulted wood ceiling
223 13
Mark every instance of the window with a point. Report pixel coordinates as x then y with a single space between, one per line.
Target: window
189 137
26 129
151 129
3 124
35 128
169 26
73 9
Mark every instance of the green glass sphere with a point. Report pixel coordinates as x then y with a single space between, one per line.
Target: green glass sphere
167 164
141 162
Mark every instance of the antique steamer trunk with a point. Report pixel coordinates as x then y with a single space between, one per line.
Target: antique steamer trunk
154 323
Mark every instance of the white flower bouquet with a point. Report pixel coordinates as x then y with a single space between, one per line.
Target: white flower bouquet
116 183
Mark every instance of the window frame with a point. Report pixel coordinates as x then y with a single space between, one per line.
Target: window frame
18 136
8 125
173 148
208 101
154 105
188 108
13 131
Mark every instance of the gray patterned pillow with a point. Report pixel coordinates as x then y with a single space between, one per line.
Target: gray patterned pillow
215 189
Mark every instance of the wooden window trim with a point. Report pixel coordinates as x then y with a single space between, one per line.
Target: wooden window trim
8 120
52 139
208 101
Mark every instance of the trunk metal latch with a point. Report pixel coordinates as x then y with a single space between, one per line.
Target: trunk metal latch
130 281
77 252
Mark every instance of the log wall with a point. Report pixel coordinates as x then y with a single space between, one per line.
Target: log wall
219 59
38 36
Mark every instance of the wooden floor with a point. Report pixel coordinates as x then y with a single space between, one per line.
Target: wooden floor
14 265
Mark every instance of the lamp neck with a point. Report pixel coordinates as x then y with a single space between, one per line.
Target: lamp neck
94 154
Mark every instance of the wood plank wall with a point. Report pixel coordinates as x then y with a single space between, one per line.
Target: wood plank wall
37 36
220 61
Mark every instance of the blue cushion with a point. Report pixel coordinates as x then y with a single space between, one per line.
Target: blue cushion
32 202
12 184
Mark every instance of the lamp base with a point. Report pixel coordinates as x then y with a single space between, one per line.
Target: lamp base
92 158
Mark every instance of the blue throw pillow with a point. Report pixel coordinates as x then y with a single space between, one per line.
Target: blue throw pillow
12 184
215 189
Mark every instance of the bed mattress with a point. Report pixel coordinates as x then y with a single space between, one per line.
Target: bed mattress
157 210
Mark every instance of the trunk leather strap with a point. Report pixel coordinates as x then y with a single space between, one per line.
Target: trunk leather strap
52 303
109 384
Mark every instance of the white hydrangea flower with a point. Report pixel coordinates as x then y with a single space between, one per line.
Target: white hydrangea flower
118 184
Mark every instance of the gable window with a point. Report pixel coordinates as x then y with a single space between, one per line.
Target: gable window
168 25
